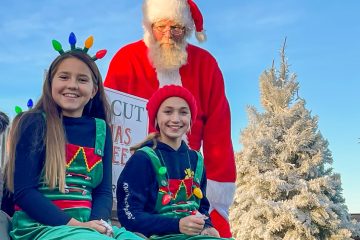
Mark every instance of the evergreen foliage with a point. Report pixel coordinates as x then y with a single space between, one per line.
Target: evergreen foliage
286 188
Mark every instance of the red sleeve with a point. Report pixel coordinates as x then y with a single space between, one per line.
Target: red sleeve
217 144
218 152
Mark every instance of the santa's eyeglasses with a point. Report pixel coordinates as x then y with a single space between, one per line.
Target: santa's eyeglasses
175 30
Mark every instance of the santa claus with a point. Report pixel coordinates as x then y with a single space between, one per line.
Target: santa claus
165 57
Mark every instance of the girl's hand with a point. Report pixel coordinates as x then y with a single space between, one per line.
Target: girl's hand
109 229
191 225
210 231
94 224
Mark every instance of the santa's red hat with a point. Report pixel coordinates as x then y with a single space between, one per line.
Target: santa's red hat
184 12
164 93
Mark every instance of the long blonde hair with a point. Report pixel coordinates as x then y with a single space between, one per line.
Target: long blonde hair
54 138
154 136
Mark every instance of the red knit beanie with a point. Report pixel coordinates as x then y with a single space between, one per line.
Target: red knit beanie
164 93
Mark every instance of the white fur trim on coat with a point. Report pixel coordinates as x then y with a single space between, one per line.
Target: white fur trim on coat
220 196
168 77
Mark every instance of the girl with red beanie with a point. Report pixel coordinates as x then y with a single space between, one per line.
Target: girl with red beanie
161 193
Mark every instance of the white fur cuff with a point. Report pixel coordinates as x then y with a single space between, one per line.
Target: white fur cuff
220 196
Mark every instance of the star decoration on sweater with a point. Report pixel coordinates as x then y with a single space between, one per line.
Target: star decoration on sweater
189 173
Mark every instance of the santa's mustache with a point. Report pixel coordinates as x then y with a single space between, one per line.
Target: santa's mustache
168 54
169 42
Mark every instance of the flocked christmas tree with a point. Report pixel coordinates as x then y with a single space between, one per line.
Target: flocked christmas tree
286 188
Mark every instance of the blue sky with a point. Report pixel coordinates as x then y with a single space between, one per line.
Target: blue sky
323 49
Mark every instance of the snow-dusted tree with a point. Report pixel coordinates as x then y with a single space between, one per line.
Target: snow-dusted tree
286 188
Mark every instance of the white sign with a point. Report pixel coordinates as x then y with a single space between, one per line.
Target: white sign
129 125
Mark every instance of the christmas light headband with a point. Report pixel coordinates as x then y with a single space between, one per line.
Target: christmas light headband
29 104
72 40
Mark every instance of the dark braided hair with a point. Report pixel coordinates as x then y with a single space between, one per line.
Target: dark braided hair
4 122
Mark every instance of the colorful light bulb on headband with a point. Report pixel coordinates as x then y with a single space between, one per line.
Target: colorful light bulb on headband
72 40
18 110
100 54
88 43
57 46
30 103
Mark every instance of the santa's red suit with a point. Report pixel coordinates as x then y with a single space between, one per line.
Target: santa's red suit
130 71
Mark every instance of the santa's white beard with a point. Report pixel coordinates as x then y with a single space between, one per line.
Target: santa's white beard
167 61
168 58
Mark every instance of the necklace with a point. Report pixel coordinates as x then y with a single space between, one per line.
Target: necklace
163 170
